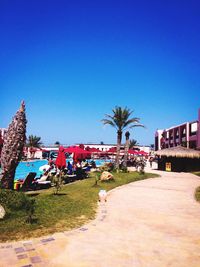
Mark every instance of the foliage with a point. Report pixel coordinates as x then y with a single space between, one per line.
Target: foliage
57 143
12 151
108 166
120 120
197 173
133 143
33 141
197 194
74 207
58 182
123 169
140 165
30 210
13 201
97 175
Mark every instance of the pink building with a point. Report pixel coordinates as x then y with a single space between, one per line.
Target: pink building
186 134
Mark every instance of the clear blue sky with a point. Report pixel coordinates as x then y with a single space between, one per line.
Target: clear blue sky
73 61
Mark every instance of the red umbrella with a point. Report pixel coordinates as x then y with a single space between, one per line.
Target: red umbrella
61 159
79 153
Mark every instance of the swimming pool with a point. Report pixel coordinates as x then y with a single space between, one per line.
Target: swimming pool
25 167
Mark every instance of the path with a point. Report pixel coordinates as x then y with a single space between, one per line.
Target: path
150 223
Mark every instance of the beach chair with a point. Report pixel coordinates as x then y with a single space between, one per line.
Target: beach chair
43 182
28 183
69 178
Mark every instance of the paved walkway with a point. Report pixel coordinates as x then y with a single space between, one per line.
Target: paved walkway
150 223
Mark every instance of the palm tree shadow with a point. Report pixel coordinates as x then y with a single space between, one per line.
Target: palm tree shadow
60 194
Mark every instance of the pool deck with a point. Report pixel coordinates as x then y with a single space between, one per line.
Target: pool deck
149 223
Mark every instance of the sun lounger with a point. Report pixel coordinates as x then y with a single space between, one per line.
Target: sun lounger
68 178
27 183
42 183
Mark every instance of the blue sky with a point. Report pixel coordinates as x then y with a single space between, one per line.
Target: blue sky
73 61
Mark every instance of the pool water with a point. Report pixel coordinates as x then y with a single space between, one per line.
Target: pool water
24 168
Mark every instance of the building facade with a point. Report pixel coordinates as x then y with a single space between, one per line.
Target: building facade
186 134
106 147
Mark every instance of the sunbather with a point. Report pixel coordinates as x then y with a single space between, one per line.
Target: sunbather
44 177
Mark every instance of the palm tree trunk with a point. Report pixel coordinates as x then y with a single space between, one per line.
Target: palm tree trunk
127 134
119 140
12 150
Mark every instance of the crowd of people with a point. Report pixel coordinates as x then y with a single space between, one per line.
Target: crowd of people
79 168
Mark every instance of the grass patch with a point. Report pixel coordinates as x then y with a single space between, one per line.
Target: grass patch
196 173
197 194
74 205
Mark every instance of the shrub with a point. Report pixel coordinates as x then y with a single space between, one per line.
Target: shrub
30 210
109 166
13 201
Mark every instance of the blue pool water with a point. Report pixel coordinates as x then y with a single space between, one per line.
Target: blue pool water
24 168
33 166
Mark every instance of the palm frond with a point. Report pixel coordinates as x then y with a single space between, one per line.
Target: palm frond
106 121
137 125
131 121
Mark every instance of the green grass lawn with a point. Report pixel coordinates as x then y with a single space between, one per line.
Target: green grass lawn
197 191
197 194
197 173
75 205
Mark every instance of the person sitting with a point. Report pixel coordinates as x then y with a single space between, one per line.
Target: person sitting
44 177
69 168
93 164
84 164
78 164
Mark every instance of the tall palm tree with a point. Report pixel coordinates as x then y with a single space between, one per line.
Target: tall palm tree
120 120
33 142
12 151
127 144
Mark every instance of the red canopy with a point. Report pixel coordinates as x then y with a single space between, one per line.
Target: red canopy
61 159
134 152
142 153
76 149
112 149
93 150
79 153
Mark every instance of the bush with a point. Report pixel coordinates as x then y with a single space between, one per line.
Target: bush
13 201
109 166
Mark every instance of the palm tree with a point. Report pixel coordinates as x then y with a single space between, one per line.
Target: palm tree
57 143
127 144
33 142
120 120
133 143
12 151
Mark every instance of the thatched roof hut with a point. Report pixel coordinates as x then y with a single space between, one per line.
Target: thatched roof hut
178 159
179 152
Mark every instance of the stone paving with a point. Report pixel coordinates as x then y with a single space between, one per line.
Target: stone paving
149 223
